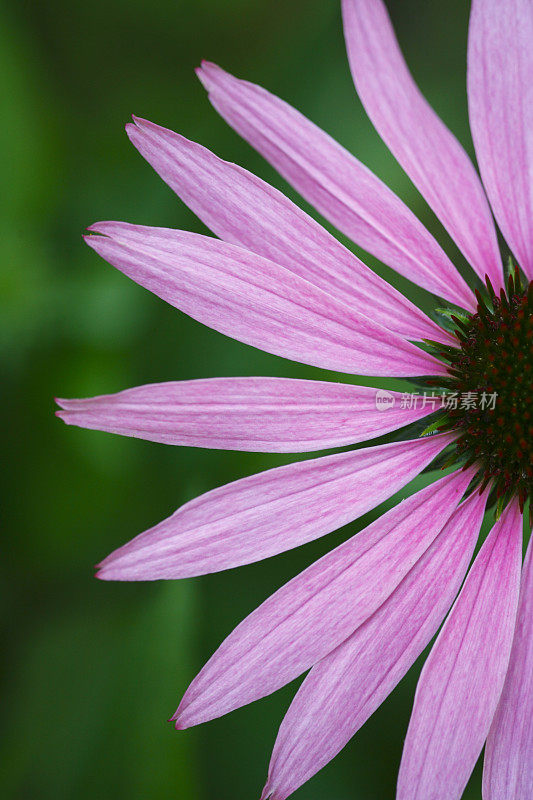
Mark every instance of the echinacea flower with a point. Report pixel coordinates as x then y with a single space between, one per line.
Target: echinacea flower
358 618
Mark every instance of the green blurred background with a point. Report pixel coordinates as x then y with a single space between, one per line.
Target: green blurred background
93 670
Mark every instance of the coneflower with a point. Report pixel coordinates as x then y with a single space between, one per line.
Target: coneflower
360 616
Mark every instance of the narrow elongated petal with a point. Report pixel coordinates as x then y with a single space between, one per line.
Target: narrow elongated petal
277 415
508 768
462 679
500 96
347 686
268 513
429 153
256 301
344 191
316 611
244 210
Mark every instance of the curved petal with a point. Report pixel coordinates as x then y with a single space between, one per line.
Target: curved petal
342 189
268 513
256 301
345 688
508 768
244 210
500 96
276 415
287 634
462 679
429 153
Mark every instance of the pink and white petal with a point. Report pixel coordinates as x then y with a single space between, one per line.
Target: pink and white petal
279 415
462 679
500 95
286 635
268 513
244 210
347 686
342 189
508 768
428 152
256 301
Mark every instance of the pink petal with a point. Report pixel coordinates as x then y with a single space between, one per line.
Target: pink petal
346 687
268 513
246 211
256 301
337 184
259 414
500 94
462 679
508 769
429 153
316 611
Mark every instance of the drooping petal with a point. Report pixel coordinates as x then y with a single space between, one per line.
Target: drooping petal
279 415
316 611
244 210
462 679
256 301
346 687
508 768
500 96
429 153
268 513
345 192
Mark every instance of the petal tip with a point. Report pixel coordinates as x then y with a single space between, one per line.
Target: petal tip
207 73
96 227
202 76
179 724
265 794
173 718
137 127
105 572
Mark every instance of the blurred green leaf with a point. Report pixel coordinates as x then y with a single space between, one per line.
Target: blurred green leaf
93 670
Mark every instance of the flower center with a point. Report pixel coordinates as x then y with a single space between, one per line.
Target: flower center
491 377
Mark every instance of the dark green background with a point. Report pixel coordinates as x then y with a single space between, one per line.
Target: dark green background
92 670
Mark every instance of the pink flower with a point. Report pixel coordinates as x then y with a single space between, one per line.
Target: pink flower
359 617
